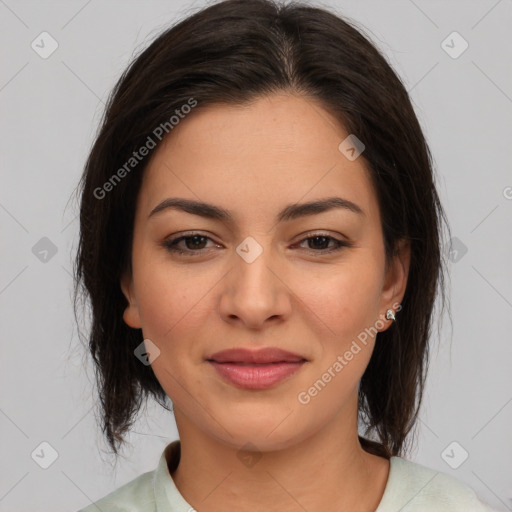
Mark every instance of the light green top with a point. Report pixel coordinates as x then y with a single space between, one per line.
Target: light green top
410 487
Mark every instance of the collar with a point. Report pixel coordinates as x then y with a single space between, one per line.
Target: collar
167 495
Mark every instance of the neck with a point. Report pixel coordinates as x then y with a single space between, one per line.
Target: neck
326 471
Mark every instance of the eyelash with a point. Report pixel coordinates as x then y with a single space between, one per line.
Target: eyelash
170 244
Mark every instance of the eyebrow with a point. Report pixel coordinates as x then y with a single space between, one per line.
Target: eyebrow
289 212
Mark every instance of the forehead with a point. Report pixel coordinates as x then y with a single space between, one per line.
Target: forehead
255 157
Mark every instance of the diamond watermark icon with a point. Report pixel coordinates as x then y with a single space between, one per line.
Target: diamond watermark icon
249 455
351 147
44 455
249 249
454 45
44 250
454 455
44 45
146 352
456 250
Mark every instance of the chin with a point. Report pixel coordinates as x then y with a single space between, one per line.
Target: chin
267 435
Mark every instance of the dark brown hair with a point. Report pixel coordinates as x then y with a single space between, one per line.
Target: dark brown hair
233 52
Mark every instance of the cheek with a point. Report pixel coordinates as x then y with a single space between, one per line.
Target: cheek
172 310
344 299
347 304
169 315
170 300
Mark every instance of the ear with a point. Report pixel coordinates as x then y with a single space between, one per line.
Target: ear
131 313
395 280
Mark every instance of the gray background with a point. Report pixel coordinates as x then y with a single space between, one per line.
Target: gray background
50 109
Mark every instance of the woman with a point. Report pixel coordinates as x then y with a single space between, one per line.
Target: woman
261 244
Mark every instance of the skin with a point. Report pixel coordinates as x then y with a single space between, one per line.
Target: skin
254 160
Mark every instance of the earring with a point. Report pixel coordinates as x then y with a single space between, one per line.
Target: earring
390 315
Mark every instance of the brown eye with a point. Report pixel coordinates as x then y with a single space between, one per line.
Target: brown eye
190 245
195 242
320 244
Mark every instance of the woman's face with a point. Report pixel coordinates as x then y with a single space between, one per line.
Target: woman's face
257 278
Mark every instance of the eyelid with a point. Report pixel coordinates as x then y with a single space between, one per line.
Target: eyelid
327 234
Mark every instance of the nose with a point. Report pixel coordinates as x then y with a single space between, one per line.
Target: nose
255 292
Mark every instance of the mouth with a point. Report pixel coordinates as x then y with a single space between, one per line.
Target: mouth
268 355
256 369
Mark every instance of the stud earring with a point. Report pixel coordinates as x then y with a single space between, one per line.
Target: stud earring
390 315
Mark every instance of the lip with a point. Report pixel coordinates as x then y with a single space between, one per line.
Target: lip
256 376
256 369
259 356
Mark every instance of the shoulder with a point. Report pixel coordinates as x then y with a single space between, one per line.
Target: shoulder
413 487
149 492
133 496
